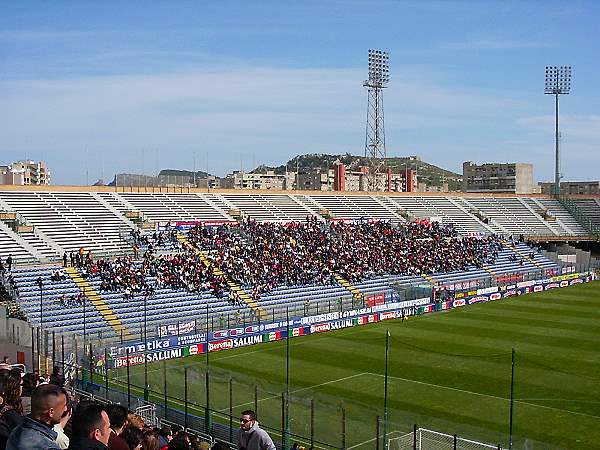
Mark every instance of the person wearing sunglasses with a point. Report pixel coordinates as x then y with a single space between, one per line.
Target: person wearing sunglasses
251 436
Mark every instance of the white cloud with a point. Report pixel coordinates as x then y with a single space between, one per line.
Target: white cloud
270 113
494 44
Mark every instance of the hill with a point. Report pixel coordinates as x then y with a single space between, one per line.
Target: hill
427 173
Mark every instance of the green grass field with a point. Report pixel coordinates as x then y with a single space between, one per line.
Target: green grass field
448 371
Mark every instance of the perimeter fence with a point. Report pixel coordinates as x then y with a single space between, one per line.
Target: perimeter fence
208 396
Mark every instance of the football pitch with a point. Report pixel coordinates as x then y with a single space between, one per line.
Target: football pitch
448 371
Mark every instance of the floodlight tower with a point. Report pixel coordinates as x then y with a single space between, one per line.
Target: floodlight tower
379 76
558 82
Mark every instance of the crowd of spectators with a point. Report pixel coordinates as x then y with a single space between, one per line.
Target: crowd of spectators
261 256
38 413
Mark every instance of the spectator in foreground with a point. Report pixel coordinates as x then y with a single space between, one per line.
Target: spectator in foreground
150 441
164 436
117 414
11 409
91 427
136 421
133 436
48 407
251 436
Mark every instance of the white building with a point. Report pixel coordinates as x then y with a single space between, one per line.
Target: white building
25 173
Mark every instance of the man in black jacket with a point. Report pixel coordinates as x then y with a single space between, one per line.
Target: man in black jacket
91 427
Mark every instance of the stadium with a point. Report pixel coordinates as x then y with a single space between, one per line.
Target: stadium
357 320
206 244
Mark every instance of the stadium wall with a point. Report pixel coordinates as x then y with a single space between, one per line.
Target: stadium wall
58 188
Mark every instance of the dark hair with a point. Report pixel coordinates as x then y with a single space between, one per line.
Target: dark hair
179 444
165 431
117 415
45 397
183 436
220 446
150 441
250 413
133 436
29 383
86 418
11 390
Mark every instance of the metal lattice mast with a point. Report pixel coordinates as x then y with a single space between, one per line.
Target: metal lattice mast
379 76
557 82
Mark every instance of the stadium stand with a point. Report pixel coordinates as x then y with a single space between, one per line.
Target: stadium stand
67 221
590 207
11 244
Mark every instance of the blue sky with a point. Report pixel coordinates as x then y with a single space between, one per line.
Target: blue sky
102 87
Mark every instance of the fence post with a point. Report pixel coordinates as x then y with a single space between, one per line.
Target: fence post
343 427
377 427
32 348
185 396
230 407
415 436
283 430
207 413
62 351
312 423
91 358
106 371
455 442
39 350
128 380
166 398
53 348
256 399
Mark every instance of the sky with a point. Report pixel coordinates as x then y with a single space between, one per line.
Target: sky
98 88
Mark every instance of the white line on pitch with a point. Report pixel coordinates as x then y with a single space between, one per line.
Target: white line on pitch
548 399
372 439
424 383
300 390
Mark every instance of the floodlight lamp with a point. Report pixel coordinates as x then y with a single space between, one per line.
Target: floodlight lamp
557 80
378 67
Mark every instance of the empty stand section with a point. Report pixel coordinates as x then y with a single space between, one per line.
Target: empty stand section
68 221
353 207
591 208
11 245
564 219
163 207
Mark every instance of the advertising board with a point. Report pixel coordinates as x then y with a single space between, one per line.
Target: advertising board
170 347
